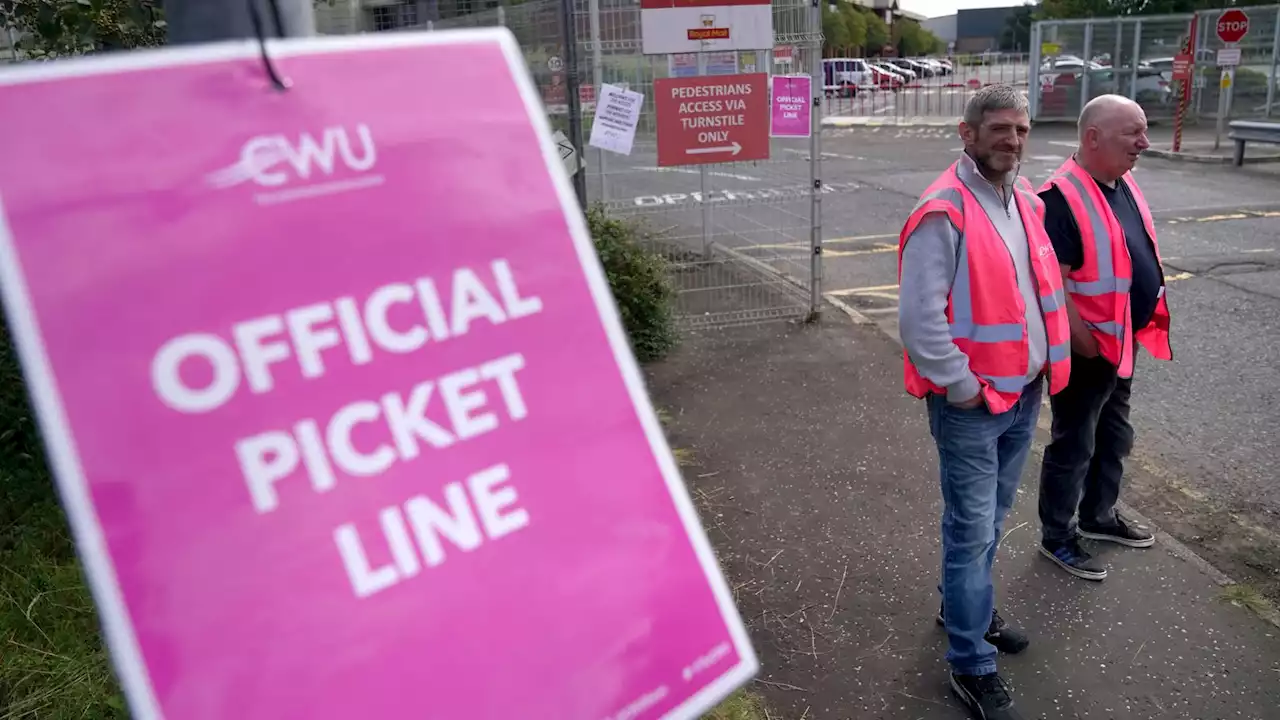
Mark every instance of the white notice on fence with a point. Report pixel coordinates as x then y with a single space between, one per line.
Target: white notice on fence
617 114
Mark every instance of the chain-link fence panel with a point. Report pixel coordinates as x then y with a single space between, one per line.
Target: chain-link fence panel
1074 61
901 89
739 236
1254 91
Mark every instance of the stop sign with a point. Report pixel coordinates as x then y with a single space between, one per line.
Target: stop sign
1232 26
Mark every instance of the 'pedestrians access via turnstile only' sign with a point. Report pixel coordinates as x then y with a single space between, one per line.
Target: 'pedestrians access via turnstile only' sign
712 119
336 395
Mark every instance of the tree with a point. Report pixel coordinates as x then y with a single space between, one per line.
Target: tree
835 33
1016 36
1060 9
912 40
856 23
877 33
52 28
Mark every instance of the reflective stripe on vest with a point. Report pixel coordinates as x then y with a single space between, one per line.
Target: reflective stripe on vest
1097 224
981 341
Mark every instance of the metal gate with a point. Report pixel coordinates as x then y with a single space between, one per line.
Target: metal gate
740 237
1074 61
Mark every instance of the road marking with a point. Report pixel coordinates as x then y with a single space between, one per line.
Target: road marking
879 248
691 171
1179 276
1237 215
877 291
830 241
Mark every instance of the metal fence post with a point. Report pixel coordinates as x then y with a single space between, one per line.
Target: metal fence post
569 32
197 21
815 163
1137 58
1033 74
1119 51
1275 65
1086 72
703 200
597 77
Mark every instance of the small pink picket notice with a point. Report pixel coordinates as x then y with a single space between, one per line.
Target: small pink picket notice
338 402
792 106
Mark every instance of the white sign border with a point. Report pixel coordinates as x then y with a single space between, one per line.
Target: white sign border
64 458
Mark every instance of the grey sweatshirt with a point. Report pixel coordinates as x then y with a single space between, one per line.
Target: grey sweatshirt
928 269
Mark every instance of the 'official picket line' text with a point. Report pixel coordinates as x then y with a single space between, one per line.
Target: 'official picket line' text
474 401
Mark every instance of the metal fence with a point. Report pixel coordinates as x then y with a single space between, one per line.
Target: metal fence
1074 61
880 93
739 236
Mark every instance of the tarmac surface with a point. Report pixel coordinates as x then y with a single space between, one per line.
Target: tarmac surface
817 479
1206 423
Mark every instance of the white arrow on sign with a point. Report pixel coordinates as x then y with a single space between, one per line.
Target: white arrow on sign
735 148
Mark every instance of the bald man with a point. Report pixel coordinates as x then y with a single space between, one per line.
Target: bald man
1102 232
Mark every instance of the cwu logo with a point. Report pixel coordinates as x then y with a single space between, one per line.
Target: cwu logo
340 159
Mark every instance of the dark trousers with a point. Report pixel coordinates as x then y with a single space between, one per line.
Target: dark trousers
1084 463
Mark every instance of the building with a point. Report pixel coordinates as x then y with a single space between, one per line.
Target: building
888 10
943 27
972 31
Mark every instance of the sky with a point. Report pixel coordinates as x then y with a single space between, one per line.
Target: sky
934 8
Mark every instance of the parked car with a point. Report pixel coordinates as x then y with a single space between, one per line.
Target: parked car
1151 84
938 68
844 75
884 79
921 71
885 65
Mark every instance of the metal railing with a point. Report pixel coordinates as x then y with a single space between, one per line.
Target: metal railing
739 235
1133 56
882 93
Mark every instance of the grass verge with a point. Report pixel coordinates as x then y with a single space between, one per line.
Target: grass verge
52 661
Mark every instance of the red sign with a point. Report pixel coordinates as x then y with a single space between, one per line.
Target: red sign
709 33
782 54
555 93
1182 67
722 118
1233 25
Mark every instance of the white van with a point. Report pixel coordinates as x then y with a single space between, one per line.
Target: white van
845 75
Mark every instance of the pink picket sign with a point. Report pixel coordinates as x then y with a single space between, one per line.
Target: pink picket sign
336 396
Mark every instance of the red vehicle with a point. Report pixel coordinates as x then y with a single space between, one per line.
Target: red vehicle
884 80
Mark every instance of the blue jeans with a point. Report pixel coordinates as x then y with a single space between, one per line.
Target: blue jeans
981 457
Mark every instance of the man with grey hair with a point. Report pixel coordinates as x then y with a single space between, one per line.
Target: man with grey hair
1102 231
982 324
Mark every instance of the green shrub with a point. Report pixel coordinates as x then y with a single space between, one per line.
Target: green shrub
641 287
1252 82
52 662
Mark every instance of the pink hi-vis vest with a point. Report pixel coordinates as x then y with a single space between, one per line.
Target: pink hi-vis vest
1100 288
985 308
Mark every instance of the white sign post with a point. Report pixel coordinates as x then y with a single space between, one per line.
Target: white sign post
617 114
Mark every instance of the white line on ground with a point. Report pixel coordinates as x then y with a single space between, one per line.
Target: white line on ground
691 171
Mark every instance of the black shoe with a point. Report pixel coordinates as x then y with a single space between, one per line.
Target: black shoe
1006 639
1122 532
986 696
1071 557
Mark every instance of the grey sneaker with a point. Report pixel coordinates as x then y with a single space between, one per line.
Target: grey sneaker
1071 557
1122 532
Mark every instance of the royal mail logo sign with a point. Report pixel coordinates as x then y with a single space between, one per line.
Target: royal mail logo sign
709 31
687 26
